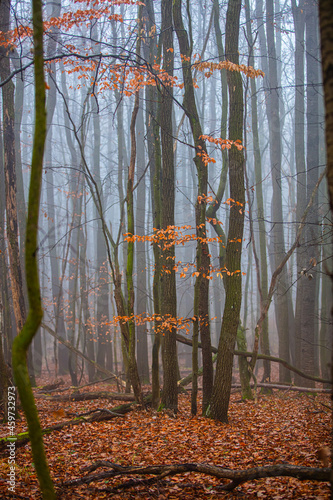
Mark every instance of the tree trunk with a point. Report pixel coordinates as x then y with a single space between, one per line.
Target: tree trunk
141 253
154 154
201 287
168 280
281 300
309 312
25 337
264 340
299 23
222 385
10 175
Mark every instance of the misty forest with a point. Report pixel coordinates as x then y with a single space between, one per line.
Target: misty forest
166 176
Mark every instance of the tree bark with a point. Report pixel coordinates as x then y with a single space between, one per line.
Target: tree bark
10 175
281 299
201 287
236 477
26 335
309 306
233 282
168 280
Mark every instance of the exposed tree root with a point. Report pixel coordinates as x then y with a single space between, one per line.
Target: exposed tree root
160 472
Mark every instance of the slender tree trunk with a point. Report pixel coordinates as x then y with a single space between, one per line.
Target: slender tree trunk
326 30
282 301
309 314
25 337
299 22
168 282
84 286
154 154
201 287
141 253
10 175
264 341
222 385
5 337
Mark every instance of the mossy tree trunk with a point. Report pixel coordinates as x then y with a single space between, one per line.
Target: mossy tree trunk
222 385
201 287
23 340
244 372
131 346
153 106
132 366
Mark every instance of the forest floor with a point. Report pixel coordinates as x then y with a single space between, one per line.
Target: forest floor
285 427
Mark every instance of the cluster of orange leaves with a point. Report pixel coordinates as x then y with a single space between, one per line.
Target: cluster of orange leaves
172 235
209 67
109 2
161 323
120 76
66 21
222 143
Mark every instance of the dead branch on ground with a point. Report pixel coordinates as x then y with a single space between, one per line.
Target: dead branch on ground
236 477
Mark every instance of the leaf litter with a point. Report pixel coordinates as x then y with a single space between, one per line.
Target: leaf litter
279 428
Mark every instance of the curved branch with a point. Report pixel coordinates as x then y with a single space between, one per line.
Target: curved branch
236 477
245 354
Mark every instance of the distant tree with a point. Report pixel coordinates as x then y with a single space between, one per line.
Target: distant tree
10 174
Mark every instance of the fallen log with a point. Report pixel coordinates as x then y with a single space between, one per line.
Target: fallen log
236 477
48 388
88 396
51 387
98 416
283 387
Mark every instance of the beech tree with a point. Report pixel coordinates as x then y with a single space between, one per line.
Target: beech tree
222 384
179 173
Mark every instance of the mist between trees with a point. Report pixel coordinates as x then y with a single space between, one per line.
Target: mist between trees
183 195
